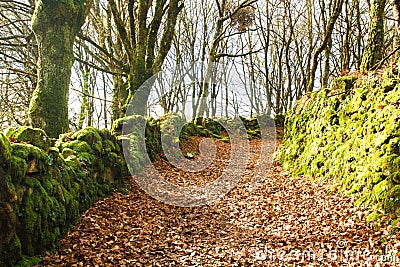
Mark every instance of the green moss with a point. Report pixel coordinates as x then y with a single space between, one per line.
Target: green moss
344 83
109 146
34 136
395 224
37 159
129 123
5 149
9 131
254 134
28 261
91 136
52 186
349 136
86 158
225 139
213 126
28 151
78 146
112 158
11 252
73 161
392 202
47 192
379 191
33 215
66 152
153 138
374 216
389 80
18 169
106 134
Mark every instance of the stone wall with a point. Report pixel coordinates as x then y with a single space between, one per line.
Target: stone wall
45 185
349 135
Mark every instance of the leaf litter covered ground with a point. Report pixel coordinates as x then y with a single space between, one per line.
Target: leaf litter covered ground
285 222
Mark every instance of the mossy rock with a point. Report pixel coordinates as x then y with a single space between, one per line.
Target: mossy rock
73 161
18 169
254 134
265 120
389 80
5 149
55 158
27 151
86 158
10 249
349 135
392 203
153 138
344 83
12 253
91 136
213 126
77 146
109 146
66 152
129 124
44 191
106 134
34 136
33 215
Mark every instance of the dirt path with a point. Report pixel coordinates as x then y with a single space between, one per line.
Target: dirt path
286 222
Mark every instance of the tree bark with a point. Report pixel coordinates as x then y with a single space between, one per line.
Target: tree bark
328 33
55 24
374 49
120 96
145 54
396 13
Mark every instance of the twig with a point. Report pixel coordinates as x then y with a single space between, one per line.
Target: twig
91 96
379 64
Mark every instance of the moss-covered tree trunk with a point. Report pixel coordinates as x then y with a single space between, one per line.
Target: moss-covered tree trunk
120 95
146 44
55 24
376 36
148 59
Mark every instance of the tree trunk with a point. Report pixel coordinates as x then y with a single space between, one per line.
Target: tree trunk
211 60
55 24
396 12
148 57
328 33
120 96
85 96
327 69
374 49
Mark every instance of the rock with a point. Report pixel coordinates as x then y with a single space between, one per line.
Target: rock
33 136
91 136
349 135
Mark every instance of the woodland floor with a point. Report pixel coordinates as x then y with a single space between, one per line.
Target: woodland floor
285 222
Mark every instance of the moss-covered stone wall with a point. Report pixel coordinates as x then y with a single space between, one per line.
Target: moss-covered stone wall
46 184
350 136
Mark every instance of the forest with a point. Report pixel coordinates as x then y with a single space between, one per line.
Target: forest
199 133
